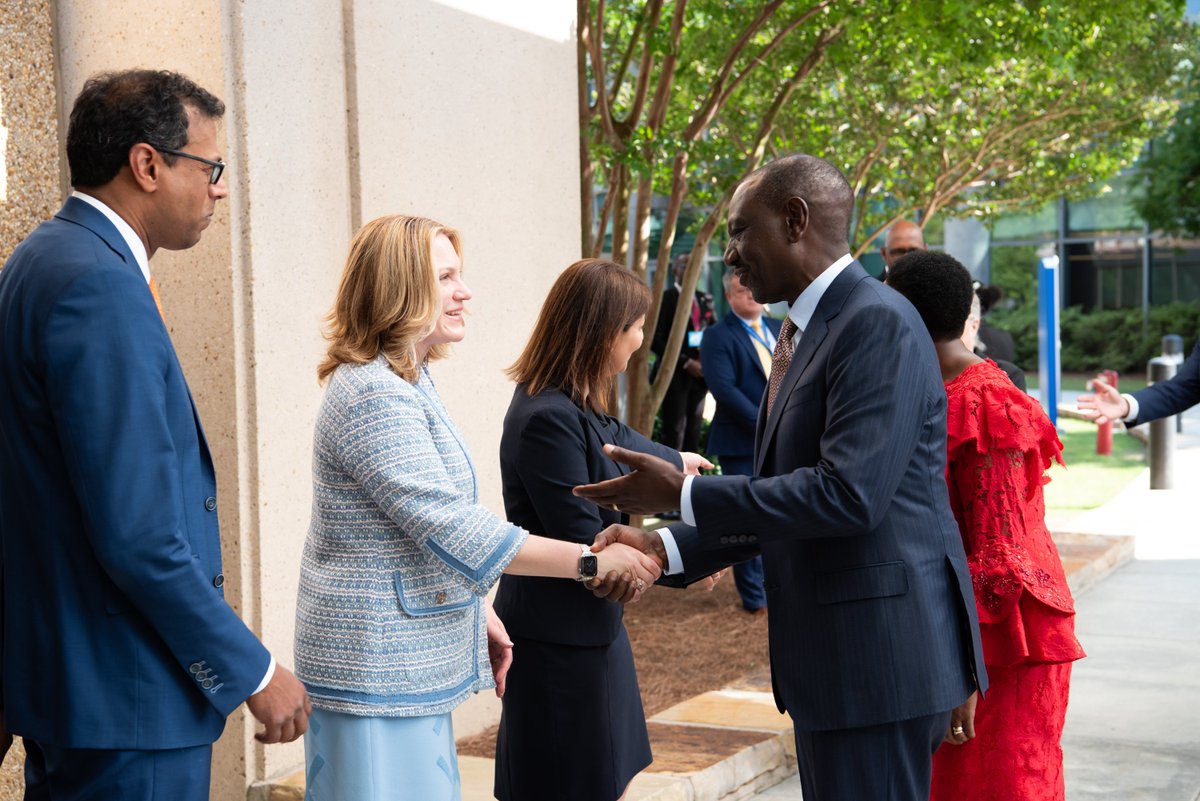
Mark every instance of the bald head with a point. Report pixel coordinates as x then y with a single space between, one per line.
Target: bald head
902 238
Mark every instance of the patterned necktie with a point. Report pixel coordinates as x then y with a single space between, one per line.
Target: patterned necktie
782 360
157 299
764 355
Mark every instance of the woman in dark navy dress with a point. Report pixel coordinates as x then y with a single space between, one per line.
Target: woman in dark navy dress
573 725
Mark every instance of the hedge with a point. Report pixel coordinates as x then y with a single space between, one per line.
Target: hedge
1102 340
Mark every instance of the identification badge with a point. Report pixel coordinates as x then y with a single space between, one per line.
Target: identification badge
694 338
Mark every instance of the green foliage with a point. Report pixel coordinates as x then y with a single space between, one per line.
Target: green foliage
1170 196
1102 340
1002 105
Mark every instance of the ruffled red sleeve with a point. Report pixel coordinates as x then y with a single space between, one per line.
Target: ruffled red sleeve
1000 444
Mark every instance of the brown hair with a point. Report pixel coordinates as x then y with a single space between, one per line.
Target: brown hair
591 302
388 300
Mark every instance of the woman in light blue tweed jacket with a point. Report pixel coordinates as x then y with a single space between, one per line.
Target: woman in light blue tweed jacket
393 630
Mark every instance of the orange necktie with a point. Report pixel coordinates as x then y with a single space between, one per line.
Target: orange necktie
157 299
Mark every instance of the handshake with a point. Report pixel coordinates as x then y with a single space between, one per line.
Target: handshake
635 559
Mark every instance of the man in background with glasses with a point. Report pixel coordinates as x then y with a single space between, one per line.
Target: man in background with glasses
120 658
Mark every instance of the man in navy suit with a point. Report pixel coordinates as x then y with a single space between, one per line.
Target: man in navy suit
120 657
736 354
1164 399
874 640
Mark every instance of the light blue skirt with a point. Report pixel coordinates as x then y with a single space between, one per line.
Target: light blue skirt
355 758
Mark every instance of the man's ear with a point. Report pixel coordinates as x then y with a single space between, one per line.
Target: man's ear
144 166
797 218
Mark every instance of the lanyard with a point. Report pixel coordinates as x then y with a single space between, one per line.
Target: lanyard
762 338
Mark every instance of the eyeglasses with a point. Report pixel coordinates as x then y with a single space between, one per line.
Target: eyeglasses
218 167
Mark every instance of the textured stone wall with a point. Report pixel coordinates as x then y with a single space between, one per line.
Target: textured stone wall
29 150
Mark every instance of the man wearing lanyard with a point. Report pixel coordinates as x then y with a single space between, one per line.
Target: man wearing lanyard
736 354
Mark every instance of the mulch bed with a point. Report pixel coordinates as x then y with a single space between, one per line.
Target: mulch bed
685 642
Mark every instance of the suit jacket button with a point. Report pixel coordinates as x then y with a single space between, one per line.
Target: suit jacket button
210 503
724 540
219 580
441 598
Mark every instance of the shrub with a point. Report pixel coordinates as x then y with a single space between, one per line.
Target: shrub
1113 339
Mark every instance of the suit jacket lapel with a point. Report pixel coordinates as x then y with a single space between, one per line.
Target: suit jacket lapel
605 439
818 327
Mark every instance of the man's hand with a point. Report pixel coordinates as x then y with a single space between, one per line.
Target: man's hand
6 739
500 648
962 721
282 707
655 485
693 463
614 586
694 368
1105 405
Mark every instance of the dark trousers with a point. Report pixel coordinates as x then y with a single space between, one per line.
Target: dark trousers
748 575
89 774
888 762
682 411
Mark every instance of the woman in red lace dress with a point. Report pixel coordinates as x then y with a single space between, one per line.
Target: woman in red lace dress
999 444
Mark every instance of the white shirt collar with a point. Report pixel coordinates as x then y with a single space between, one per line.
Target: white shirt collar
802 310
136 247
750 321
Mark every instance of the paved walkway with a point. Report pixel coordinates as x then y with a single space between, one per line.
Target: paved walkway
1133 726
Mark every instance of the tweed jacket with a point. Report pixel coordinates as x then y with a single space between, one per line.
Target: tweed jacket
399 554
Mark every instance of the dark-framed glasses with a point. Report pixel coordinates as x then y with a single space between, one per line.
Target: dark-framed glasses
218 167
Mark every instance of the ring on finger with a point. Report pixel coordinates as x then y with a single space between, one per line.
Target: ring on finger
956 730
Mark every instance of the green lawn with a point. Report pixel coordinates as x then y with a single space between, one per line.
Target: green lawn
1089 480
1077 382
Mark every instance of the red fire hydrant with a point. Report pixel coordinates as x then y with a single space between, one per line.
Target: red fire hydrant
1104 430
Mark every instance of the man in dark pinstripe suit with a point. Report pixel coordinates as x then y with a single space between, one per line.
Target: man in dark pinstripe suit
873 632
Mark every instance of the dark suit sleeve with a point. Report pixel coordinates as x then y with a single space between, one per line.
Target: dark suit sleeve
875 413
629 439
107 390
1168 398
716 356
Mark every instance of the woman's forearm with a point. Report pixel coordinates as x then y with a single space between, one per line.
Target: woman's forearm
541 556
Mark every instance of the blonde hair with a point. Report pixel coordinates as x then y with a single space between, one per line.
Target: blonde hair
388 299
591 302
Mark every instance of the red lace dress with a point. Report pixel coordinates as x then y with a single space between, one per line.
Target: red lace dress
1000 444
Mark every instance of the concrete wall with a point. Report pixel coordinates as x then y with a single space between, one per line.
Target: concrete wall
463 111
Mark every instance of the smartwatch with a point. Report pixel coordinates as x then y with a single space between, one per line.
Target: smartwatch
588 564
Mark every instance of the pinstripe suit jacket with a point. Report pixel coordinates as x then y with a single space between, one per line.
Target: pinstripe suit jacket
872 613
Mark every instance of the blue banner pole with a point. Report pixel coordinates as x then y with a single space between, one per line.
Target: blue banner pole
1049 344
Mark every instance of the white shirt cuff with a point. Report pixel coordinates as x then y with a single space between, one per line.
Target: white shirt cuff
1134 408
685 502
674 559
262 685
